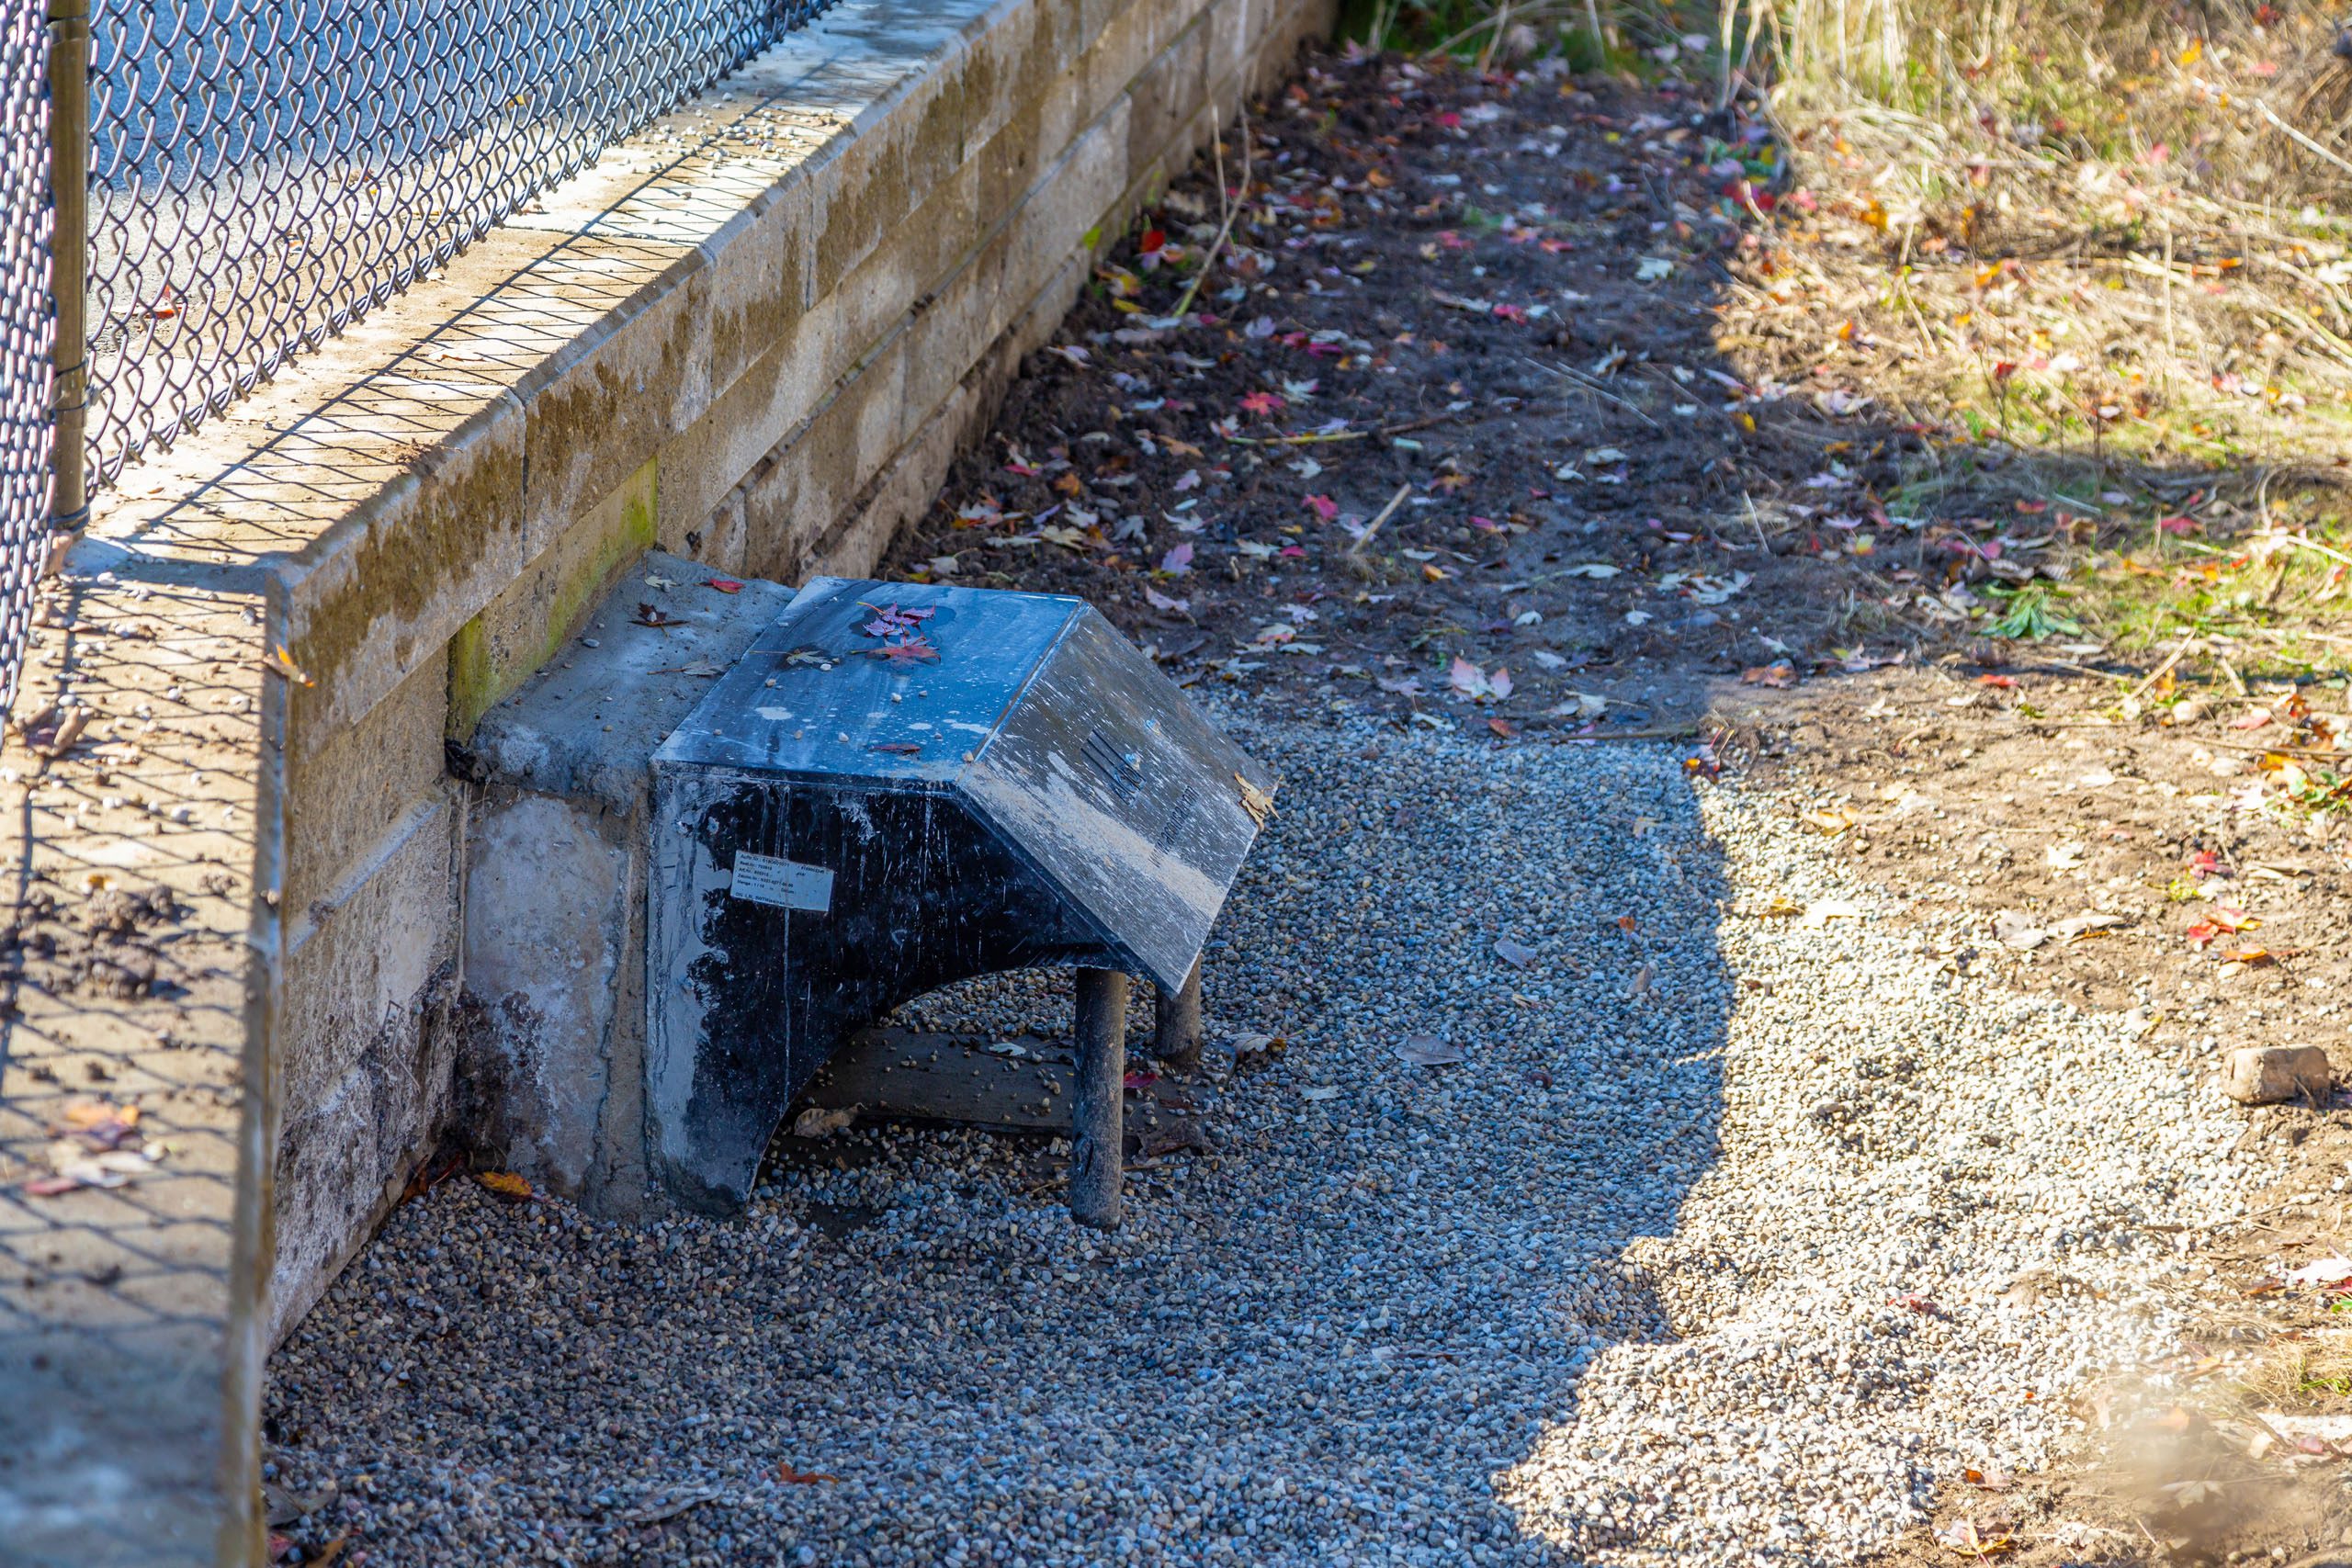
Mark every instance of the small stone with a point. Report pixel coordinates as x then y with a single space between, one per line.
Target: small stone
2272 1075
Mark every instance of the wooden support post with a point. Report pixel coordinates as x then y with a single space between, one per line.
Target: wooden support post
1176 1021
1098 1120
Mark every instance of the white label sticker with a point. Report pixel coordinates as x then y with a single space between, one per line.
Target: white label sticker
787 885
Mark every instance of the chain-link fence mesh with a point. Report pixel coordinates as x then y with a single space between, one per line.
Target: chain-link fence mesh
26 325
265 171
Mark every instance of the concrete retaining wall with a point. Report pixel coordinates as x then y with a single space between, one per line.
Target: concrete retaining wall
754 336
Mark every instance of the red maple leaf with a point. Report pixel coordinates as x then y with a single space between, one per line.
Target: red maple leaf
914 650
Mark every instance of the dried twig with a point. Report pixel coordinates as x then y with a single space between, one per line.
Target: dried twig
2306 143
1232 206
2159 672
1373 526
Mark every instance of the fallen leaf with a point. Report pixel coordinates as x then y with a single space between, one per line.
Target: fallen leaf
729 585
1316 1096
1964 1537
1259 803
1519 955
912 651
1831 822
505 1184
1780 674
92 1114
791 1477
2014 928
280 662
817 1122
1469 682
2074 927
1429 1051
2326 1271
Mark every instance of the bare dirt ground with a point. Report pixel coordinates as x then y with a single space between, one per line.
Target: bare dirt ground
1475 421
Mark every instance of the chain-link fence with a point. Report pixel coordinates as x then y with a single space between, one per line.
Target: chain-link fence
259 174
26 323
265 171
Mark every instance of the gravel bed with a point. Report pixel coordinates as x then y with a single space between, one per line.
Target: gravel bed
1734 1233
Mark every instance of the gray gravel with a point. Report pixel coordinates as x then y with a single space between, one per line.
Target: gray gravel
1626 1286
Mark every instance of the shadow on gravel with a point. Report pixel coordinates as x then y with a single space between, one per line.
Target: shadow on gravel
1324 1343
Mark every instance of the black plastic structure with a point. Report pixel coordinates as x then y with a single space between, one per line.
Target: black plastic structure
899 786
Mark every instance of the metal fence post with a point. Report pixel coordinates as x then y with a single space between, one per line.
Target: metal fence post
69 174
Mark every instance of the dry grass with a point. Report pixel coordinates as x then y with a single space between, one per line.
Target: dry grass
2093 241
2313 1374
2098 259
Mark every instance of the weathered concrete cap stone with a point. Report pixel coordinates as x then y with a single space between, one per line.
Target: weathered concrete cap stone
585 726
2273 1075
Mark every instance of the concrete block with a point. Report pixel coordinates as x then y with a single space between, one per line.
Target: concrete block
896 276
550 895
552 1039
364 1083
1165 95
367 951
773 397
786 388
381 591
520 630
345 1156
878 178
756 285
719 541
601 407
582 727
1072 197
341 793
815 476
1012 58
950 334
